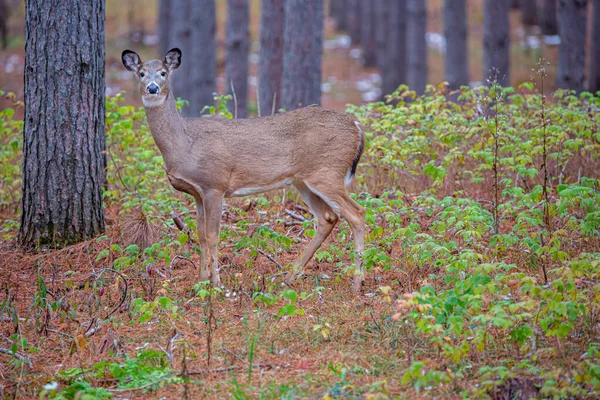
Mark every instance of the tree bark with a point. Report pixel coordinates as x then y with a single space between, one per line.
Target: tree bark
595 48
394 71
193 30
302 53
383 21
496 41
353 20
572 21
164 26
528 12
180 36
369 20
416 28
455 30
548 20
236 62
270 66
64 138
337 10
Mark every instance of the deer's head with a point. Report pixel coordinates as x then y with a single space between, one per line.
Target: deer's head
153 75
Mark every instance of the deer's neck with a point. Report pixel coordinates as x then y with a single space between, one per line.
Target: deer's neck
166 125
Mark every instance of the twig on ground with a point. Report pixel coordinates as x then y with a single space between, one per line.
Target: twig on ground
16 355
182 226
270 258
295 216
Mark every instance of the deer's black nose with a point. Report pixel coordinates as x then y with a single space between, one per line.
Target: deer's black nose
152 88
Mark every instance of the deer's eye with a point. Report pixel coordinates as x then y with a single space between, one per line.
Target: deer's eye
163 73
142 74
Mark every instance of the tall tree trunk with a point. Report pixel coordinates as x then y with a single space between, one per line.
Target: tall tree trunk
529 12
368 31
572 21
164 26
394 71
548 20
337 10
4 23
595 48
416 28
353 20
270 64
496 41
302 53
180 36
64 138
383 21
455 30
202 60
236 62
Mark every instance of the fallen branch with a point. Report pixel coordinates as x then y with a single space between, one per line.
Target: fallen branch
295 216
182 226
16 355
270 258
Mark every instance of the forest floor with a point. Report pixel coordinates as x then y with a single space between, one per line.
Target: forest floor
464 296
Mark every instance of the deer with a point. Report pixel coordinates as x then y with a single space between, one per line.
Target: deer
315 149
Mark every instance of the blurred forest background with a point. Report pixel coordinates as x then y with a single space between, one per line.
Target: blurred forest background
353 35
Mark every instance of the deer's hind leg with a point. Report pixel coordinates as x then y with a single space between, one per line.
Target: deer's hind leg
326 220
340 201
201 228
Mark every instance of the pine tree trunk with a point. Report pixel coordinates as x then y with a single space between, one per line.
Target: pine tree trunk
353 20
369 33
528 12
270 67
337 11
455 30
595 48
202 60
64 138
496 41
164 26
394 70
548 20
302 53
236 62
180 36
383 18
572 21
416 28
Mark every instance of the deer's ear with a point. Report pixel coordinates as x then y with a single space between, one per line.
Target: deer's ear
131 60
173 59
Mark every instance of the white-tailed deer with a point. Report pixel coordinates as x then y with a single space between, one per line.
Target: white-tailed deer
313 148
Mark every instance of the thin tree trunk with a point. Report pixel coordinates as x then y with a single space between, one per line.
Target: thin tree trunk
202 62
164 26
548 20
416 28
496 42
302 53
572 21
595 48
270 67
369 19
64 138
455 30
528 12
353 20
394 71
236 62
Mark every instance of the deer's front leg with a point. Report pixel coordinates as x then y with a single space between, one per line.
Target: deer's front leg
213 208
201 227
